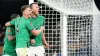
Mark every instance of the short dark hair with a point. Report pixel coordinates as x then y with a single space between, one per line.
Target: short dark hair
32 4
24 7
14 16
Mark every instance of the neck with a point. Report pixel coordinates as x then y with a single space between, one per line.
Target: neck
34 15
25 16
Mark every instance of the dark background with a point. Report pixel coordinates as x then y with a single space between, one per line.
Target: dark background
97 3
8 7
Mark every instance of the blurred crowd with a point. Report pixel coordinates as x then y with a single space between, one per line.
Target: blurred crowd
2 33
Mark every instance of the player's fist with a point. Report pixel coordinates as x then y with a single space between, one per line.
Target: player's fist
42 28
46 46
33 41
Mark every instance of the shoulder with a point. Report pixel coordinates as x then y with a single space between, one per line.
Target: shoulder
16 19
30 19
42 17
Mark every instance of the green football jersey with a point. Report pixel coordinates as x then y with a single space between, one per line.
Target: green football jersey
9 46
37 22
22 28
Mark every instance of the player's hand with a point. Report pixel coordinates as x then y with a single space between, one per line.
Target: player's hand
46 46
33 41
7 24
42 28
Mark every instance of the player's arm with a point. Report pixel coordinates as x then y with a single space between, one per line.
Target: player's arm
41 29
8 24
37 32
10 37
12 22
31 27
9 34
46 45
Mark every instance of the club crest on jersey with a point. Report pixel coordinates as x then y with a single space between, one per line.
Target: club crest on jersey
9 30
30 23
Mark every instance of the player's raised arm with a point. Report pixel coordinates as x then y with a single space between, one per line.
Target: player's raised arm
12 22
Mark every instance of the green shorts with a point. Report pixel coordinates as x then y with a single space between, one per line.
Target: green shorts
7 53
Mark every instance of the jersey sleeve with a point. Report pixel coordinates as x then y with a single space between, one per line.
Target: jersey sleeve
8 31
12 22
29 25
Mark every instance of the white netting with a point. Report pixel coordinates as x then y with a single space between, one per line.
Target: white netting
79 35
71 6
52 32
83 26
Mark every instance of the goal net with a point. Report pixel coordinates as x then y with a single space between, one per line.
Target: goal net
52 32
74 22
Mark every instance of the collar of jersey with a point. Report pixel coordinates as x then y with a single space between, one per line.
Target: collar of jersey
23 17
36 17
